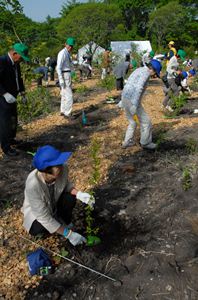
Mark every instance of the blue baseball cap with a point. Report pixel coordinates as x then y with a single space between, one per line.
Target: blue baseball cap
192 72
156 65
184 74
48 156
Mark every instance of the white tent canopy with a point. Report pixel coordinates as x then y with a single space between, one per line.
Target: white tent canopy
124 47
95 49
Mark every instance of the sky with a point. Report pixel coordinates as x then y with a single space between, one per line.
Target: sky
38 10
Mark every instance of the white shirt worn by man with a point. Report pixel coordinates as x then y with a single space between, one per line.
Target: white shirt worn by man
64 64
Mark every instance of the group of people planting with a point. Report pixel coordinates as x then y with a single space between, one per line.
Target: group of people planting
49 195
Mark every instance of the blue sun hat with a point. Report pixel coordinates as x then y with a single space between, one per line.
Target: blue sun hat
48 156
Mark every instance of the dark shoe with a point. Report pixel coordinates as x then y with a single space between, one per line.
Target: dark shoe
11 152
66 117
69 118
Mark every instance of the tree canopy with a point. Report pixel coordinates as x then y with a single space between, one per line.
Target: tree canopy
101 22
91 22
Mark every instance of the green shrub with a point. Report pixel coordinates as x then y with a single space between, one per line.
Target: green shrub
177 103
39 102
81 89
108 82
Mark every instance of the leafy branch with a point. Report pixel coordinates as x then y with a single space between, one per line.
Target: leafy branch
95 176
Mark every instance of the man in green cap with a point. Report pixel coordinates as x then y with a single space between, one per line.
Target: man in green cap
11 84
64 66
146 58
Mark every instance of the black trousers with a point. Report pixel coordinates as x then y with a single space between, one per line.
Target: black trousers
39 80
52 72
65 206
8 123
119 83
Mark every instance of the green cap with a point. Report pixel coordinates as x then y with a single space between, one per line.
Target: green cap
182 54
70 41
152 53
134 63
22 50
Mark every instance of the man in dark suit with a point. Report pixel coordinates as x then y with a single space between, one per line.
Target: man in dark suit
11 84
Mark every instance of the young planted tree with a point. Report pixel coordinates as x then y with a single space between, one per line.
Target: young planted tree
92 239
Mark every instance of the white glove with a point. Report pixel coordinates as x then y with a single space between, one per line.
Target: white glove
133 109
62 84
9 98
86 198
120 104
76 238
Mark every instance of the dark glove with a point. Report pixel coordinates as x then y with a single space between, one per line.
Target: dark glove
24 99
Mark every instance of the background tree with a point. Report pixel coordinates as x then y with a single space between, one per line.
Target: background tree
91 22
170 22
9 10
135 14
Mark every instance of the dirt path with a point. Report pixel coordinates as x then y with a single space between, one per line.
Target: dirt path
144 214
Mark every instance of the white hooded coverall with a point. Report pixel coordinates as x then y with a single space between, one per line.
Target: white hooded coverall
64 76
131 101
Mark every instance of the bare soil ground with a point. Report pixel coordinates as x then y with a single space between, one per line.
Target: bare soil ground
146 209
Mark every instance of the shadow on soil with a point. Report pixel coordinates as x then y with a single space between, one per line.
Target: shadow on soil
144 217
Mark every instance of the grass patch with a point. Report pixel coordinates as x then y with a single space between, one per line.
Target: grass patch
191 146
186 179
194 84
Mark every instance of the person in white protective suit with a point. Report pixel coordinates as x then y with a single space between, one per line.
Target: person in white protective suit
131 102
64 65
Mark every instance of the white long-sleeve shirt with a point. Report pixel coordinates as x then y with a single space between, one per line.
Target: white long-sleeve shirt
37 202
172 67
64 63
135 86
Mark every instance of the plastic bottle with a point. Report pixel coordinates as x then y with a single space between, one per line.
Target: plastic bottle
84 118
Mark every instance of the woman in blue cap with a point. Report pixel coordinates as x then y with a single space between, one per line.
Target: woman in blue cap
50 197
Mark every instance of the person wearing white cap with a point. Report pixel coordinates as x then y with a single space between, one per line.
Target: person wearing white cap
50 197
